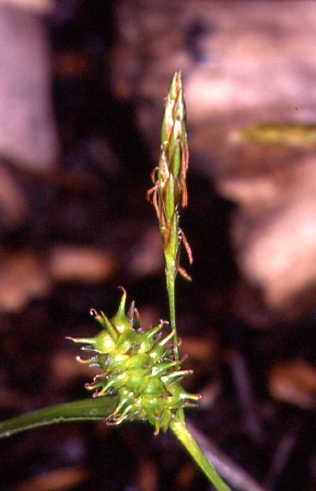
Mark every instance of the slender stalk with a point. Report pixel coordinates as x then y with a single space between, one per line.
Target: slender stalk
229 470
182 433
170 279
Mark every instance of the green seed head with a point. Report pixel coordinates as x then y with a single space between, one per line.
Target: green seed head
136 366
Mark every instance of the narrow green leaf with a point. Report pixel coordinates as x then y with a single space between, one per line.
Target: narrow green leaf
83 410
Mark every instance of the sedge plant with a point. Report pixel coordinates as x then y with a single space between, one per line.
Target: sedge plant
140 370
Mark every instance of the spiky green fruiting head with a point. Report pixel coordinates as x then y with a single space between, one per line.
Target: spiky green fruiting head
137 366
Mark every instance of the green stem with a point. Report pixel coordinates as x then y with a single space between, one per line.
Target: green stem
181 432
170 280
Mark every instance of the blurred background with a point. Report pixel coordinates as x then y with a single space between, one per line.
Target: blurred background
82 86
